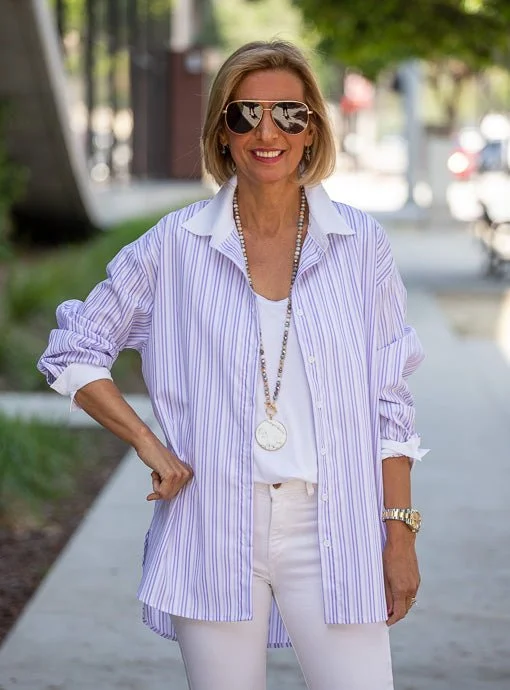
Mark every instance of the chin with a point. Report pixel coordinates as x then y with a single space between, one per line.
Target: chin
270 176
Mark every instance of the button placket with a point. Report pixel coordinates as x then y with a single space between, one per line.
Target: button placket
316 390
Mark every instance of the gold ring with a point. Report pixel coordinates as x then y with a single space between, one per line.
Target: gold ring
413 601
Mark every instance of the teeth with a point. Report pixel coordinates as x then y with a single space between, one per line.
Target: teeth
267 154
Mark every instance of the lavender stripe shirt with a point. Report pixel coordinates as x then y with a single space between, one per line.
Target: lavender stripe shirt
180 295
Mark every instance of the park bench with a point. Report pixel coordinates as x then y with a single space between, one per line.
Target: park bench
494 236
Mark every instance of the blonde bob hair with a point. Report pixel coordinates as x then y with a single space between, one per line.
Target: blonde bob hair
270 55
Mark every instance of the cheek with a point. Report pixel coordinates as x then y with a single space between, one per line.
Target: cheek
237 145
299 146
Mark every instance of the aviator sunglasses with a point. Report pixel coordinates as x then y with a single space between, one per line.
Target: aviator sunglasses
289 116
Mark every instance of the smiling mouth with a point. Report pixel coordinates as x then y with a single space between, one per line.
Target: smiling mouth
266 155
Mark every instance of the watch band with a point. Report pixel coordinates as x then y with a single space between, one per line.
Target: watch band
408 516
396 513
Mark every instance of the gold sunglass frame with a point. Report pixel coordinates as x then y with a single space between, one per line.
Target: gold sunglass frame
247 100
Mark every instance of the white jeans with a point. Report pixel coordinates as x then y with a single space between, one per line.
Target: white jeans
232 656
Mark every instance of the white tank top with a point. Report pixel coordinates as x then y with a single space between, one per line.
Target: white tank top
297 459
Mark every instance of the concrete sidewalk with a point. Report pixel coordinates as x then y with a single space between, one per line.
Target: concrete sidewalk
82 630
118 202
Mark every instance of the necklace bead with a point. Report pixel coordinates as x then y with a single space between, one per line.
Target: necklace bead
270 405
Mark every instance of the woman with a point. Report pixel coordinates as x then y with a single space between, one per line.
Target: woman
270 321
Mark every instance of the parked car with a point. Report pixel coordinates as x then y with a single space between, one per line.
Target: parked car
493 157
481 150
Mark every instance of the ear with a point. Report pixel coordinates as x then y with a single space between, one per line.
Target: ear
222 137
310 135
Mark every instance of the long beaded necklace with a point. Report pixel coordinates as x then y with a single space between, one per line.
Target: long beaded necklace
271 433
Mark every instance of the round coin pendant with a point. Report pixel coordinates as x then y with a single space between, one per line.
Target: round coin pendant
271 434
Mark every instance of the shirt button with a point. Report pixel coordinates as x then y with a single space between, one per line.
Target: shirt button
327 543
323 451
319 404
299 312
324 496
311 359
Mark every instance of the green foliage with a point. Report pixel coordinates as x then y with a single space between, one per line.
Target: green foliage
34 288
375 34
241 21
75 10
20 347
36 463
35 285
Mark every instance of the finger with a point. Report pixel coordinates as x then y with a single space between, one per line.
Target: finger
184 474
389 598
156 483
166 488
170 488
399 610
410 601
156 478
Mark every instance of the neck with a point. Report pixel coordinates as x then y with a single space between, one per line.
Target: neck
268 210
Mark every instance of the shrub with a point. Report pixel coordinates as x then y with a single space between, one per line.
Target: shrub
35 288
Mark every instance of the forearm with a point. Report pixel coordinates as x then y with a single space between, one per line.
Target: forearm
103 401
397 492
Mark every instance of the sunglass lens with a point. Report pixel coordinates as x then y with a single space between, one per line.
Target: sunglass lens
290 117
243 117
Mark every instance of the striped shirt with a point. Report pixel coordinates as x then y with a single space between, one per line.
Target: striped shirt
180 296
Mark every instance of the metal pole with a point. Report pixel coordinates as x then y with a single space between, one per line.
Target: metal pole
410 73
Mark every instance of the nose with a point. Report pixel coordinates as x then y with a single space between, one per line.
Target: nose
267 130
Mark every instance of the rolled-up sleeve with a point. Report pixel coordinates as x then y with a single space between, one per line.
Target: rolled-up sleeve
116 315
399 353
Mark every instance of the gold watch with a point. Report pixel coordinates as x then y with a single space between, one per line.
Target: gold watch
409 516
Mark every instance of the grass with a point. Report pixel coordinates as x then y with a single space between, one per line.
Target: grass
34 285
37 463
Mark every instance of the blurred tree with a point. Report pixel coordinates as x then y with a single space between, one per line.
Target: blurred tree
373 34
457 37
241 21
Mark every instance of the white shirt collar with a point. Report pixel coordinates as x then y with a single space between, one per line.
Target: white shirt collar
216 219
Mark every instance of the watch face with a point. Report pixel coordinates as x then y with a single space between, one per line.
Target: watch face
415 520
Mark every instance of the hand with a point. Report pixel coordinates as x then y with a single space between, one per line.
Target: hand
401 574
168 474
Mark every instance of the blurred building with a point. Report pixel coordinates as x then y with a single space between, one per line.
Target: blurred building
100 90
135 70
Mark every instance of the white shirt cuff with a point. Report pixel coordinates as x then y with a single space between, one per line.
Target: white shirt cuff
410 449
75 376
